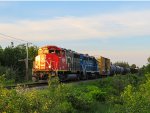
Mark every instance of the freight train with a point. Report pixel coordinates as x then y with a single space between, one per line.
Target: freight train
54 61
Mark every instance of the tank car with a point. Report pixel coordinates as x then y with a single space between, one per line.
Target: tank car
121 70
113 69
134 70
128 70
118 71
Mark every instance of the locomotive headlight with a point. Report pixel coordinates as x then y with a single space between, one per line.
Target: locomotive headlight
49 66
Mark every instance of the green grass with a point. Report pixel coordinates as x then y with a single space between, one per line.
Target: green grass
97 96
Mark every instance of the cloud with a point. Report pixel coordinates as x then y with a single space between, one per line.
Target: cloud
104 26
114 25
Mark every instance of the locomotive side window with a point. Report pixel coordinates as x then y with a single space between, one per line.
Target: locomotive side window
51 51
69 60
57 52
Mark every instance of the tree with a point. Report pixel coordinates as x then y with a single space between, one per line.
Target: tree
147 68
148 60
122 64
133 66
33 51
10 56
1 55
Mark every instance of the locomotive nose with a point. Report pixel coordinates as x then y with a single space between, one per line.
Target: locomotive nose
40 62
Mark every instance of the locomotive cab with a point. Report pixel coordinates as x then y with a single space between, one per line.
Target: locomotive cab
49 60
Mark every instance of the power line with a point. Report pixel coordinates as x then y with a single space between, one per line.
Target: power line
14 38
4 38
26 60
11 40
11 37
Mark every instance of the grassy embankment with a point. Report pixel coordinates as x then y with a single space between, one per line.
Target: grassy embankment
126 94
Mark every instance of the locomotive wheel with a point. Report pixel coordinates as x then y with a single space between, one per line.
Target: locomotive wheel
96 75
62 78
78 77
81 76
34 79
87 76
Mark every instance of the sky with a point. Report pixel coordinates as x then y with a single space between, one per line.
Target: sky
117 30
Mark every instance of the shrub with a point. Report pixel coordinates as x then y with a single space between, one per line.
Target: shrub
136 99
104 95
83 97
8 73
4 81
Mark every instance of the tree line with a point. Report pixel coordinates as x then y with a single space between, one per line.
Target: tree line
11 66
125 64
14 69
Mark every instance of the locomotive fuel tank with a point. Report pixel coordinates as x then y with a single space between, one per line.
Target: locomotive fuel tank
72 76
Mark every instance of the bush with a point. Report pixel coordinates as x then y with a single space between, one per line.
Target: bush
147 69
80 100
112 94
22 100
8 73
4 81
136 99
83 97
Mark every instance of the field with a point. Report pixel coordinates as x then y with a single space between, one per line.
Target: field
119 94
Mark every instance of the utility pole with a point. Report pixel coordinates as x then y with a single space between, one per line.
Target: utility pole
12 44
26 62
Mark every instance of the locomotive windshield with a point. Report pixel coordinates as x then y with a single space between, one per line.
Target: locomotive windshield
51 51
57 52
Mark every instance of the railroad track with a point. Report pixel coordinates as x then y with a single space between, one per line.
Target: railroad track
28 85
40 85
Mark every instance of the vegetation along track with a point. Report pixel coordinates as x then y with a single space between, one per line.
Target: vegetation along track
42 84
28 85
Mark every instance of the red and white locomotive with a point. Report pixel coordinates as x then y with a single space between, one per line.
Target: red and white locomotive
55 61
